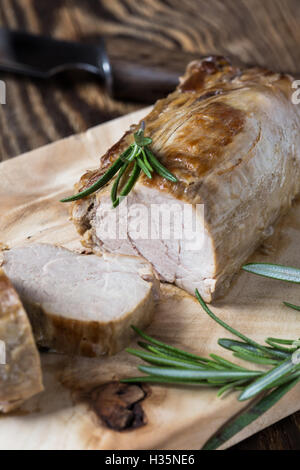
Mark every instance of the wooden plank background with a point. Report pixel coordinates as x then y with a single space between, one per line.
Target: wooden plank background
266 32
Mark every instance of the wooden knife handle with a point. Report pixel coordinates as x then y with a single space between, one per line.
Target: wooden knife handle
143 72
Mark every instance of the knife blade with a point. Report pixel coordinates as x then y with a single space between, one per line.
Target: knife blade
129 70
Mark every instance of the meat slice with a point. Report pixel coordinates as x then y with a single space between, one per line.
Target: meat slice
82 304
231 137
20 368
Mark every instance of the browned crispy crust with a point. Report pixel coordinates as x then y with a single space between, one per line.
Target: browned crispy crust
190 157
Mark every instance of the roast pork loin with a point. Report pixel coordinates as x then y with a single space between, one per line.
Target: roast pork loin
232 138
82 304
20 368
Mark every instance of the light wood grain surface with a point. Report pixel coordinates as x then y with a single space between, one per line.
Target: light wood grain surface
37 112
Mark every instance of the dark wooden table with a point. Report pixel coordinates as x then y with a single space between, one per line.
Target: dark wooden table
37 112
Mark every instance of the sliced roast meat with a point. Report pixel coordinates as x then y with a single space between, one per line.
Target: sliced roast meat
82 304
232 138
20 368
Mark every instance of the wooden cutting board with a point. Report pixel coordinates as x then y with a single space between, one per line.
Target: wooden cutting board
83 407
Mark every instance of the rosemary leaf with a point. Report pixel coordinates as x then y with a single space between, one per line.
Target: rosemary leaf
114 189
214 365
138 152
281 341
248 415
159 168
144 168
284 380
281 348
226 363
167 347
140 139
268 380
135 150
252 357
230 386
158 380
192 375
230 344
295 307
162 361
159 351
218 381
129 185
274 271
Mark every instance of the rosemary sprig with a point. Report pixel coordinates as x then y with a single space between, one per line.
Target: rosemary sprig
170 365
174 364
136 158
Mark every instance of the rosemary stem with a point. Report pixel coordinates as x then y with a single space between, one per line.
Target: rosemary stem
167 347
99 184
129 185
114 189
232 330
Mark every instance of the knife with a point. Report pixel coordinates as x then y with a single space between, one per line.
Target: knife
129 70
